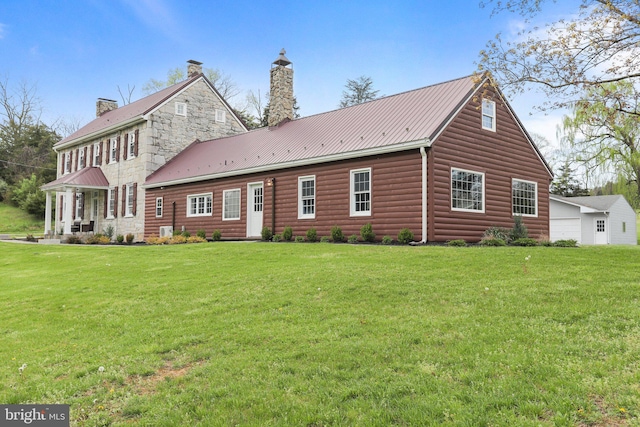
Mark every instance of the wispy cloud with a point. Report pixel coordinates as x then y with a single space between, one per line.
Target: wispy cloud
154 14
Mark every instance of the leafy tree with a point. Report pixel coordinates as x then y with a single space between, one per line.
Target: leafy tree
265 112
567 57
223 83
605 129
565 184
358 91
28 196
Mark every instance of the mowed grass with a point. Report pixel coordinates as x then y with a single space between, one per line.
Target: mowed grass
16 222
255 334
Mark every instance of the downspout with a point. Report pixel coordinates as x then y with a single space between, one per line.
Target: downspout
173 216
423 154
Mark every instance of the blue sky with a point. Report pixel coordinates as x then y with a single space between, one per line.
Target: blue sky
78 51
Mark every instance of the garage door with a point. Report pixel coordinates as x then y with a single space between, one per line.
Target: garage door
564 229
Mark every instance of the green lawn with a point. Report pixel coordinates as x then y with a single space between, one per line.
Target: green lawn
16 222
256 334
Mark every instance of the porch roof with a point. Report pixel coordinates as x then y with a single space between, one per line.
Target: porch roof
91 178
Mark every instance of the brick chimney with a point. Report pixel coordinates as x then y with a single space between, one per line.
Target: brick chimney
105 105
193 68
281 91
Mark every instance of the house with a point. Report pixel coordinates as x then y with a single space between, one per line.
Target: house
102 166
446 161
593 220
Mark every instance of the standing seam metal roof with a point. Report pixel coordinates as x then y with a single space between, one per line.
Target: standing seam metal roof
379 124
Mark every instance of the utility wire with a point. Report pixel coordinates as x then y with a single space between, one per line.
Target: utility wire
28 166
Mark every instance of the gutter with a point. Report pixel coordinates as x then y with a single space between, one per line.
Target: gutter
94 134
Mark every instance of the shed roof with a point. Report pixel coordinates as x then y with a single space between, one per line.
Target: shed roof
598 203
91 177
407 120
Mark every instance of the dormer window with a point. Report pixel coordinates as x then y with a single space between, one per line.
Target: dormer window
220 116
489 115
181 109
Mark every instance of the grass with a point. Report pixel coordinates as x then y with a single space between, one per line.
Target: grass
307 334
18 223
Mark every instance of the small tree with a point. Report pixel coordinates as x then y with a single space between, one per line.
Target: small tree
358 91
519 230
28 196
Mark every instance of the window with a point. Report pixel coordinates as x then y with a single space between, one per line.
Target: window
199 205
81 158
158 207
113 150
624 227
67 162
131 145
96 154
258 199
524 196
231 204
488 115
79 206
130 195
467 190
361 192
111 207
220 116
181 109
600 225
307 197
94 208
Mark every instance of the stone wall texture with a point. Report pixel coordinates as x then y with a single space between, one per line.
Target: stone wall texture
281 95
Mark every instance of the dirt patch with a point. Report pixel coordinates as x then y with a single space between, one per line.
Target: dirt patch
147 384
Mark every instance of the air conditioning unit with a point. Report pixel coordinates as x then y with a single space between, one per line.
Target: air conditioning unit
166 231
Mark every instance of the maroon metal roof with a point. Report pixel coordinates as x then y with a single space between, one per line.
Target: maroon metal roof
385 124
136 109
91 177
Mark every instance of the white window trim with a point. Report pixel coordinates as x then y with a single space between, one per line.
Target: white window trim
224 204
207 197
221 116
78 205
129 206
181 106
67 162
352 195
159 205
131 144
113 152
484 183
513 180
301 214
111 208
493 117
96 154
81 159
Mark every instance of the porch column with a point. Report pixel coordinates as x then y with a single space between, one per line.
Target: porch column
47 214
68 212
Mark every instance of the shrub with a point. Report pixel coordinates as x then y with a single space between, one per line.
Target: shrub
287 233
186 234
120 238
496 233
525 241
196 239
325 239
387 240
566 243
177 232
98 239
201 234
177 240
457 242
366 232
74 240
155 240
109 231
492 242
312 235
216 236
27 195
276 237
519 230
299 239
129 238
30 238
266 234
405 236
353 239
336 234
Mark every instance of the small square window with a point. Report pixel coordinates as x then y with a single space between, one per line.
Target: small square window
220 116
181 109
199 205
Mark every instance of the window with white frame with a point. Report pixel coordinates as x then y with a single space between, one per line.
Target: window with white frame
220 116
231 204
181 109
524 196
199 204
96 154
131 145
130 199
488 115
159 201
467 190
111 207
81 158
306 197
67 162
113 150
79 206
361 192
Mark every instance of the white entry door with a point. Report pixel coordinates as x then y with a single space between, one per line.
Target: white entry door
601 231
255 204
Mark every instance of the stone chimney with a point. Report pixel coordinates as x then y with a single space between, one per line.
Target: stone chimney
193 68
281 91
105 105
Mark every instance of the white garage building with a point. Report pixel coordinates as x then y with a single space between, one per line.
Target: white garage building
593 220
